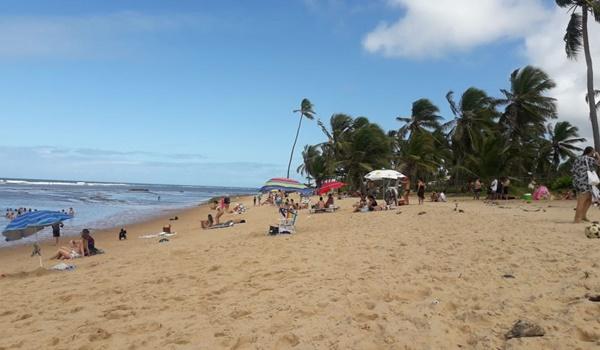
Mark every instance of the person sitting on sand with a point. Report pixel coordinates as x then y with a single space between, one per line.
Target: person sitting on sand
372 204
361 205
434 196
442 197
76 249
207 223
329 203
89 243
320 204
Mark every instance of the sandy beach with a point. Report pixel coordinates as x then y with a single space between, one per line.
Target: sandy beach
442 279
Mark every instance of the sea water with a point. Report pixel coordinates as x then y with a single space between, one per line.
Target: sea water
100 205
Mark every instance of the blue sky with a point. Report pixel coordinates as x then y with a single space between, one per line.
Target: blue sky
202 92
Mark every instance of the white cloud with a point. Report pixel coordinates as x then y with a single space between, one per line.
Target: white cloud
434 28
83 36
545 49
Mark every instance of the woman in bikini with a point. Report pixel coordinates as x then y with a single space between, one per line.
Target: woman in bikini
75 250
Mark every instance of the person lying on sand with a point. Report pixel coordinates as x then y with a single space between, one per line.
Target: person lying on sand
76 249
361 205
210 223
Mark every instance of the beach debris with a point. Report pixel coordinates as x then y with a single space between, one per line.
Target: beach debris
435 301
455 206
163 240
422 212
461 211
36 250
524 328
63 267
595 297
174 218
398 212
593 230
531 211
508 275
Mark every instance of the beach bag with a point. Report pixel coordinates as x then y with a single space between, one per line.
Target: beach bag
273 230
591 175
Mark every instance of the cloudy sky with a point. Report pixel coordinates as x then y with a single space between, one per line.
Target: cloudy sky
202 92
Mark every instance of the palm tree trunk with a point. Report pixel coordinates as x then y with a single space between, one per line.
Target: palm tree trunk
590 79
294 146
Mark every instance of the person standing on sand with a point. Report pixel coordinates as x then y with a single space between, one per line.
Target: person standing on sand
406 185
588 161
493 189
56 231
477 188
421 191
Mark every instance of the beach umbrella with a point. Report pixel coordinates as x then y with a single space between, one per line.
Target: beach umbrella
31 223
285 185
330 185
377 175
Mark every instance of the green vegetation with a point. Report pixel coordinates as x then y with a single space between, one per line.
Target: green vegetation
576 37
513 135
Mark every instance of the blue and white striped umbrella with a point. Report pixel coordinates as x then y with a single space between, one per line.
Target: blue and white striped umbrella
32 222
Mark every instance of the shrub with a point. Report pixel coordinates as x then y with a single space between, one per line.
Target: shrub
561 183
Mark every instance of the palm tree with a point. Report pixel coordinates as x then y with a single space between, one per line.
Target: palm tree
527 106
306 110
314 164
563 138
577 36
424 117
474 113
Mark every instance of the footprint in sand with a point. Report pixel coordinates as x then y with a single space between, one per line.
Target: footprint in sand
99 334
287 341
239 314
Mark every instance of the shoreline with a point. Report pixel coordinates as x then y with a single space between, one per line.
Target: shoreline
134 229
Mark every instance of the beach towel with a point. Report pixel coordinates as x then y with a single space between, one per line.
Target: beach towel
156 235
222 225
63 267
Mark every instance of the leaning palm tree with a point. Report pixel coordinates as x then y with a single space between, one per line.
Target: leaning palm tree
577 36
306 111
472 114
424 117
527 106
563 138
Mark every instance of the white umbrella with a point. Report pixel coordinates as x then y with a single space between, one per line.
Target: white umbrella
377 175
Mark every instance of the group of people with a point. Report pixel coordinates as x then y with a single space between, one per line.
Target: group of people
222 207
86 246
12 214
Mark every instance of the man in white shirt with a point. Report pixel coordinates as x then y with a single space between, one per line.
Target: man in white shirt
494 187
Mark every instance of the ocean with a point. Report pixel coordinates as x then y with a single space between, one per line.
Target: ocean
101 205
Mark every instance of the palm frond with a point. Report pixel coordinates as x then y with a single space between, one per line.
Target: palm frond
574 36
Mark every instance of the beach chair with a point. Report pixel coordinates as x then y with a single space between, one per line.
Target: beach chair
287 225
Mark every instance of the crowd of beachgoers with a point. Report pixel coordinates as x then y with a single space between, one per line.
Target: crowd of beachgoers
11 213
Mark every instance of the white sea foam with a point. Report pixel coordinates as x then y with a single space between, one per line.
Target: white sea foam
58 183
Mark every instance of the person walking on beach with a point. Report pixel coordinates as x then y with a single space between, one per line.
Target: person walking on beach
56 231
477 188
588 161
421 191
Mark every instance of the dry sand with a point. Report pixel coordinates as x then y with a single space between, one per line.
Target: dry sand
380 280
